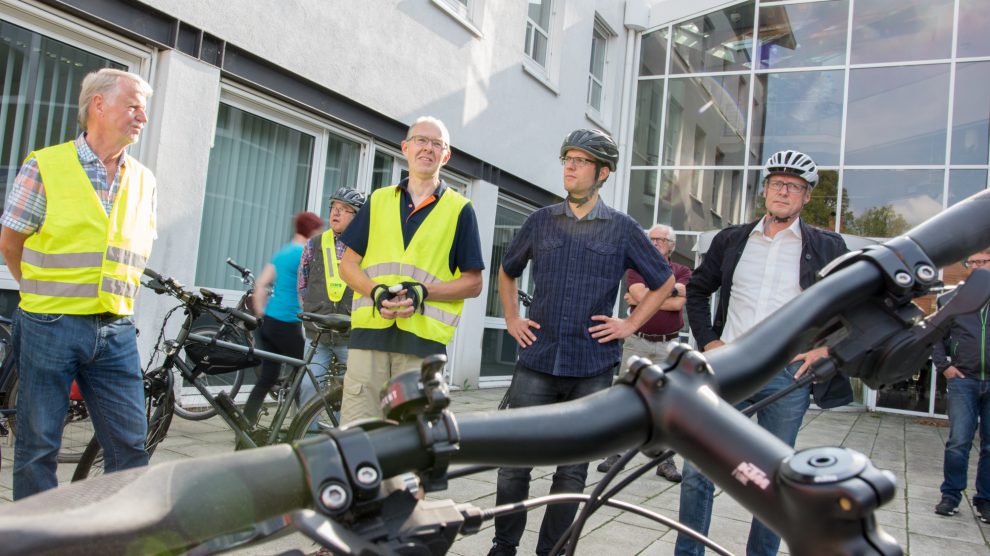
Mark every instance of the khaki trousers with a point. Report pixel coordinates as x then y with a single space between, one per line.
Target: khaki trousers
367 372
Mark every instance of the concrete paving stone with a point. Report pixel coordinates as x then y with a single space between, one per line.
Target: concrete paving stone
924 545
619 538
891 518
637 520
668 500
467 489
960 526
659 548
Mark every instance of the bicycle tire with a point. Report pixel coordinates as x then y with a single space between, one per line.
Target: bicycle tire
160 407
313 417
229 382
76 433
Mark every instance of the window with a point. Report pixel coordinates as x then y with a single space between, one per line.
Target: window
596 73
466 12
538 31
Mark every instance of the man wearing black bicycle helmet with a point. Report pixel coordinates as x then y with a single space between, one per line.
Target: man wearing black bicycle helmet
571 343
759 267
321 288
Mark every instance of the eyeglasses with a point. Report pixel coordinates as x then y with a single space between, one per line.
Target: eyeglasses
660 240
778 186
342 210
976 262
421 141
577 161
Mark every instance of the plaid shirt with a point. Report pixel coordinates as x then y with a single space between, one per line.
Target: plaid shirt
24 210
577 268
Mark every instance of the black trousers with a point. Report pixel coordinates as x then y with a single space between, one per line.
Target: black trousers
283 338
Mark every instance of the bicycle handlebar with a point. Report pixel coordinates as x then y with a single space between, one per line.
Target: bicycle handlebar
184 503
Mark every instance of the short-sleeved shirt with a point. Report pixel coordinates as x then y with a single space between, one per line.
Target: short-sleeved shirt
662 322
284 303
577 268
465 255
24 209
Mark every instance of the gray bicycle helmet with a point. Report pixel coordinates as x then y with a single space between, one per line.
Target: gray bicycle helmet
596 143
793 163
349 196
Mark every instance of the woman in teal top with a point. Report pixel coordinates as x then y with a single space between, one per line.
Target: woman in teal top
281 331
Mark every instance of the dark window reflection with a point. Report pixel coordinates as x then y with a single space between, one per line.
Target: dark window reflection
649 111
798 110
642 194
798 35
897 115
653 53
964 183
886 203
699 200
971 114
901 30
706 121
718 41
508 221
498 353
974 20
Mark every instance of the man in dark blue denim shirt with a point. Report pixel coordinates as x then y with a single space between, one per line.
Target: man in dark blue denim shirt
580 250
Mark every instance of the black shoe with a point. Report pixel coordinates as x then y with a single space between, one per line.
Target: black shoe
947 506
499 549
668 470
983 509
607 464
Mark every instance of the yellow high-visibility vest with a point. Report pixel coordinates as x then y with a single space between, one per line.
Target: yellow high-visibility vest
426 260
83 261
335 284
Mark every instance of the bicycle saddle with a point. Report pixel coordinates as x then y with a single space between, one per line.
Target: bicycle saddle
334 322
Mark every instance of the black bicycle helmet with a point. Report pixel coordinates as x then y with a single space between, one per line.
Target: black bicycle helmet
793 163
596 143
349 196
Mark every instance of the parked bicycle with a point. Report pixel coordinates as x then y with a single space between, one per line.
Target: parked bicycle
822 500
318 414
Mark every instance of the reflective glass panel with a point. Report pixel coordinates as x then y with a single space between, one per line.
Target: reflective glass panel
699 200
719 41
974 20
649 112
258 178
895 115
798 35
901 30
886 203
642 193
706 121
653 53
821 209
971 114
754 202
382 169
509 218
343 158
963 183
798 110
499 351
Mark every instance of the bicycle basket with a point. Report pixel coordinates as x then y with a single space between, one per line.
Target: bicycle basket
213 359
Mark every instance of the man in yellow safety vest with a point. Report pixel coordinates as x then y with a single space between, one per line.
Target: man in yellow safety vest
78 225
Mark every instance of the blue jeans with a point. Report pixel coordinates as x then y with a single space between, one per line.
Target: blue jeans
531 388
100 353
783 419
969 402
319 366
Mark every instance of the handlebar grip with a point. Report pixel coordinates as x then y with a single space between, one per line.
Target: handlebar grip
236 266
152 274
250 321
956 232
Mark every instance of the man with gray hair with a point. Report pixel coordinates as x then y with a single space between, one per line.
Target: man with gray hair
78 226
654 339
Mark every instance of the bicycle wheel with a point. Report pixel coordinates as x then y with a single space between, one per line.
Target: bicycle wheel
227 382
159 407
313 417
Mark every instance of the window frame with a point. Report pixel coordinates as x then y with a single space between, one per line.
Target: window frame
468 13
601 31
546 72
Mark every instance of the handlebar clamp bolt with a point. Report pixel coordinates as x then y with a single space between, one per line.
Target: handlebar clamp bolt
925 273
333 497
903 278
367 475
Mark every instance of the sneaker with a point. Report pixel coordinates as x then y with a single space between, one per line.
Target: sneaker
668 470
983 509
499 549
604 466
947 506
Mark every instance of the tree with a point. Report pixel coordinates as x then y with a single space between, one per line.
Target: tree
878 222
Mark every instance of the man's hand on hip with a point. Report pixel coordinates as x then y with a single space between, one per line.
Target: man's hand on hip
519 328
610 329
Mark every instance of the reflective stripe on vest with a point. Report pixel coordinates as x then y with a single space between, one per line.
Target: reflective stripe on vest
335 285
426 260
82 260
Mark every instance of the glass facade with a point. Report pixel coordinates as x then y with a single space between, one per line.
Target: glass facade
888 96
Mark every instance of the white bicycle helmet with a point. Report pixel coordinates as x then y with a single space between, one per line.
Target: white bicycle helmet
793 163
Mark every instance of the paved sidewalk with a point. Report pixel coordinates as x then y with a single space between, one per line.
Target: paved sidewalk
908 446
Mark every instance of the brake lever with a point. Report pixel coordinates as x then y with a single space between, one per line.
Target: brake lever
330 534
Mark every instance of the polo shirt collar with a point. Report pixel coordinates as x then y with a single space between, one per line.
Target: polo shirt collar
404 184
600 211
